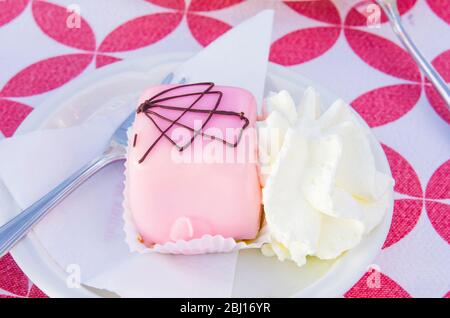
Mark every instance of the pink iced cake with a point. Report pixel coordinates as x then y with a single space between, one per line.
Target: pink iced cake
191 164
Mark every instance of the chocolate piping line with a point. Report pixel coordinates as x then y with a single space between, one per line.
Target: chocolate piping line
153 103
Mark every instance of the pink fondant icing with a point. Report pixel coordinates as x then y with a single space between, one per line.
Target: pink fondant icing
209 187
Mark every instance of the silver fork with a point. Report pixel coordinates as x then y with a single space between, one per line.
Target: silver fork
391 10
14 230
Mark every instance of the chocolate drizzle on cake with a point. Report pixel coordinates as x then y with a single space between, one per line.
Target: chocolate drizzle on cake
156 102
134 140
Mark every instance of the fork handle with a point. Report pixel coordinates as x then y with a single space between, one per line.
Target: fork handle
14 230
430 72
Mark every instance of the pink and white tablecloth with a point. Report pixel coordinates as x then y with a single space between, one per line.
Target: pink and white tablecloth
345 45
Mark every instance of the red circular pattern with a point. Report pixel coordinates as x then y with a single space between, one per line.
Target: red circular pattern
324 11
40 77
14 281
205 29
208 5
10 9
170 4
406 211
383 54
303 45
441 8
380 106
442 65
386 104
375 284
11 115
52 20
438 190
312 43
358 14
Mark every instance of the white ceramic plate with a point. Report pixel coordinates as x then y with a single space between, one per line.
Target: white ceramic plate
256 275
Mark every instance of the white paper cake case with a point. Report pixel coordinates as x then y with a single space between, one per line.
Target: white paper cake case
205 244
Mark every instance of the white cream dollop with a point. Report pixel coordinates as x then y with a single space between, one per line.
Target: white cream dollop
321 190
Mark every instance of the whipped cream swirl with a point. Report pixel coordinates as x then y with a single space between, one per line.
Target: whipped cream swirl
322 191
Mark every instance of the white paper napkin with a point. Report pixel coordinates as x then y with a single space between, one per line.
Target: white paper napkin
85 230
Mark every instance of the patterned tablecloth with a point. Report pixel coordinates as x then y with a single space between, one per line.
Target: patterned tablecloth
345 45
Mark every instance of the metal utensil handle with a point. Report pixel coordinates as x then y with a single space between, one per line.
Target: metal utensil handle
19 226
430 72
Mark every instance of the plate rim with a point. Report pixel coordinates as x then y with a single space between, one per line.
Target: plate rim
44 272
